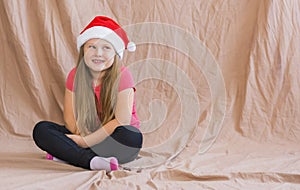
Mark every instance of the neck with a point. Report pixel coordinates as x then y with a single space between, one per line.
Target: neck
97 77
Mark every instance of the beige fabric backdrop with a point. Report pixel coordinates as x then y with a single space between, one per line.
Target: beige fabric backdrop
217 92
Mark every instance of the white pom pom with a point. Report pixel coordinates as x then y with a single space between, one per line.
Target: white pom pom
131 46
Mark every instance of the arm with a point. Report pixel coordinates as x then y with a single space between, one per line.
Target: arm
69 112
122 117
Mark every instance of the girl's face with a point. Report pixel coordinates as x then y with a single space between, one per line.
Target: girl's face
98 55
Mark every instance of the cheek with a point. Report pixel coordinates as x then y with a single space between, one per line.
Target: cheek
85 59
111 55
85 55
110 62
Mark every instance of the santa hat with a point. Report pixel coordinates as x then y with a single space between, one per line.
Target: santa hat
105 28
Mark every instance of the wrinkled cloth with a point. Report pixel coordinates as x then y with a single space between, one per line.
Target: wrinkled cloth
217 92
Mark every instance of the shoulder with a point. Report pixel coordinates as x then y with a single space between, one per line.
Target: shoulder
72 72
125 70
125 73
126 79
70 79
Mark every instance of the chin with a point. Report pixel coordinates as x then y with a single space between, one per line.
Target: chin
97 68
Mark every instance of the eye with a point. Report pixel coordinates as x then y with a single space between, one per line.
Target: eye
106 47
92 46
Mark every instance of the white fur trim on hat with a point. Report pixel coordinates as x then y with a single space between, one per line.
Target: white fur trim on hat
102 33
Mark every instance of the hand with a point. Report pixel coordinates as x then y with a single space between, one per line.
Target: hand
78 140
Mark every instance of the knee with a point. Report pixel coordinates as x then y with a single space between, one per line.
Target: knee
39 130
129 136
136 135
138 138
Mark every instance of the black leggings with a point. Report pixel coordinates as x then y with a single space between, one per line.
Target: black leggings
124 144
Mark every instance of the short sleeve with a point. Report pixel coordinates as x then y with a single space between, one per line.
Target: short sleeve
126 80
70 80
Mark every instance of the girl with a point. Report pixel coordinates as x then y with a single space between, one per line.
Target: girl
101 126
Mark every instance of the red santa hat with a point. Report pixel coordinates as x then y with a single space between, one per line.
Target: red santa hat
105 28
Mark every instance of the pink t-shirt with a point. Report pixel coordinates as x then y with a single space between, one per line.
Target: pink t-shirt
126 81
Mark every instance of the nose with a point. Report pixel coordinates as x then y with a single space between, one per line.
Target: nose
99 52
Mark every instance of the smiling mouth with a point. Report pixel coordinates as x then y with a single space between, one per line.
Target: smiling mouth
98 61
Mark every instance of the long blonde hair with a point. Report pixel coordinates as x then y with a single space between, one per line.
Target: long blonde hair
88 117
